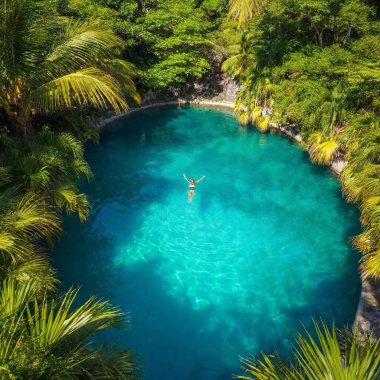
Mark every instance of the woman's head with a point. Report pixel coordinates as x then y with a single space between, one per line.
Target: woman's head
192 180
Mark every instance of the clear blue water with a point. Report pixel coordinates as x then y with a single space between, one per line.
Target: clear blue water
262 248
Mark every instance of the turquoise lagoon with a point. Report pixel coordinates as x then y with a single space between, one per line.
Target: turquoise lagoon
262 249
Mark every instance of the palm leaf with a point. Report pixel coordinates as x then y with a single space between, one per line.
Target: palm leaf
268 368
68 198
13 296
323 357
51 322
124 72
325 152
370 265
233 65
243 10
363 242
80 43
36 271
243 117
31 217
109 364
262 123
87 87
371 210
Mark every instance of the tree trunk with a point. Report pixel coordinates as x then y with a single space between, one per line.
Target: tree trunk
18 120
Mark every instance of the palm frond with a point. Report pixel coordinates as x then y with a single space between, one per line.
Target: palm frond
124 72
15 247
33 218
81 168
36 271
107 363
243 10
233 66
322 357
13 296
80 43
262 123
243 117
51 322
363 242
371 210
315 139
268 368
86 87
361 185
10 343
255 113
69 198
370 265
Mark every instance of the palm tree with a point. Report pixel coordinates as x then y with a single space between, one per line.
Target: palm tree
49 63
243 10
37 182
323 148
48 164
324 144
35 270
45 337
239 57
326 357
25 220
361 185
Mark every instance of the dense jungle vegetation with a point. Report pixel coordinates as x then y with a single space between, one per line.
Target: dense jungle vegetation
312 65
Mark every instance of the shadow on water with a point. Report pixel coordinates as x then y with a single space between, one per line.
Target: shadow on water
170 323
299 319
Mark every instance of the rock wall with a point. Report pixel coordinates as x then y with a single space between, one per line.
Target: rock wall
367 319
213 86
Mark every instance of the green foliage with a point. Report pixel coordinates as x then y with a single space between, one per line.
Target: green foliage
46 337
49 63
48 166
332 354
176 31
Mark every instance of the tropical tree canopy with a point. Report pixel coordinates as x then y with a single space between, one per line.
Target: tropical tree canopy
50 63
170 40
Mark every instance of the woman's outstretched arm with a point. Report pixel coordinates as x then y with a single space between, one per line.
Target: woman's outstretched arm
184 176
201 179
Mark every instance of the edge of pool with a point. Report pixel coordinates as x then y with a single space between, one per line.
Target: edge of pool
367 318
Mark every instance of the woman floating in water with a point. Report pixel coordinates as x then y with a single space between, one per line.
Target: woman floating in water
192 183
